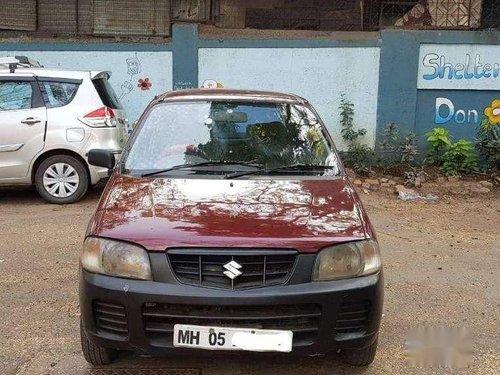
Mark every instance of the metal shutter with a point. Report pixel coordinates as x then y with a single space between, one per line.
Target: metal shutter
18 15
57 16
131 17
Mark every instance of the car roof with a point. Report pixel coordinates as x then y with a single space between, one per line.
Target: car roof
229 94
56 73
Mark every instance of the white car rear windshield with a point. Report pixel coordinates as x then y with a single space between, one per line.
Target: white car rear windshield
106 93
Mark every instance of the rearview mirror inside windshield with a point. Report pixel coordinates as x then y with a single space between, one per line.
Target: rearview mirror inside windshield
222 116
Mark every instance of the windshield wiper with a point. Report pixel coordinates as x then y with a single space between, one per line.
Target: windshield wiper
202 164
282 169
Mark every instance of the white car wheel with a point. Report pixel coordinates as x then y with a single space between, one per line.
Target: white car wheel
61 179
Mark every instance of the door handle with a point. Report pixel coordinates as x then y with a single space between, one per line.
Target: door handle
31 120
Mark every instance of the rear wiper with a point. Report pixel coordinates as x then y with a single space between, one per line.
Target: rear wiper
285 168
202 164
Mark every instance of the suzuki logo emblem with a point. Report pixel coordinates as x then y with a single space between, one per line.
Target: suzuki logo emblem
232 269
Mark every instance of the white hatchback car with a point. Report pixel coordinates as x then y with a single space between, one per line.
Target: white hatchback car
49 120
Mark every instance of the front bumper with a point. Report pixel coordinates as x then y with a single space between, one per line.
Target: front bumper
135 296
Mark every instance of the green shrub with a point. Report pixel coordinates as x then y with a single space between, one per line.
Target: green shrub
453 158
358 156
488 144
459 159
439 141
408 148
395 149
391 138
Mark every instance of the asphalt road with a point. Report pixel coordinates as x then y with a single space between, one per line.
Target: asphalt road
441 260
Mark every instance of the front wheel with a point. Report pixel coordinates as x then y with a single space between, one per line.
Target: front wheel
93 354
360 357
61 179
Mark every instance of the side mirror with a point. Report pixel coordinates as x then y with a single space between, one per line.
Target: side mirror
102 158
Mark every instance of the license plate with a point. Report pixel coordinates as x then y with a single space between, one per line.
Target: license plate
223 338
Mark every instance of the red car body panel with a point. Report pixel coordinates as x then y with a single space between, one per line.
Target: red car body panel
160 213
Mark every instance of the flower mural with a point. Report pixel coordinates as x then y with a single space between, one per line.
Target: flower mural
144 84
493 113
488 136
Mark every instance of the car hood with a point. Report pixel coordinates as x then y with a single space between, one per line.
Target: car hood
161 213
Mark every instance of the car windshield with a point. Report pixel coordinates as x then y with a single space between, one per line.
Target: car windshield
217 136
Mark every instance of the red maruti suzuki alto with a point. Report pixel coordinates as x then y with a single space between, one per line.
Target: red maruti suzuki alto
229 224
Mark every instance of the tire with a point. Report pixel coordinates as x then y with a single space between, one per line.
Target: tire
360 357
96 355
61 179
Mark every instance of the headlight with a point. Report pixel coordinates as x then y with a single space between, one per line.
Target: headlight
115 258
350 259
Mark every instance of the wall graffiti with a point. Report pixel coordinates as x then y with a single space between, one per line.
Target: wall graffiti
458 88
144 84
492 114
462 112
133 65
446 111
459 66
471 68
134 69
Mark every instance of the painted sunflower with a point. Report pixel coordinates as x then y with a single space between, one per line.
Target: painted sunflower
493 112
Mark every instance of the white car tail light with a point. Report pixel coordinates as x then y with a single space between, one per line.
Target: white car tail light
100 118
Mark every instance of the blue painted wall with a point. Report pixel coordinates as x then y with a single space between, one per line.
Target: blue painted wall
400 100
459 111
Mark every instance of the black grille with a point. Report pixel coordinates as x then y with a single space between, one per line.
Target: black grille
206 268
110 317
303 320
352 317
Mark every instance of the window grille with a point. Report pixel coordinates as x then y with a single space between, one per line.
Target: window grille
432 14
